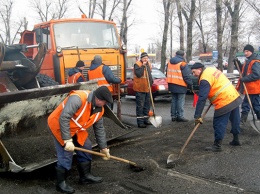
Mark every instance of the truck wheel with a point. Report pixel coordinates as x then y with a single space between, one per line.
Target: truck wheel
45 80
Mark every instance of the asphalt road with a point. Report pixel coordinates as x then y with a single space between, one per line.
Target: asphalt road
234 170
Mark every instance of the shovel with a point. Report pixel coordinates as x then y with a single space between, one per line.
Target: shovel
133 165
155 120
255 123
172 160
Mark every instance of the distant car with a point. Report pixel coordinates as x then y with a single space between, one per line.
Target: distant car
159 87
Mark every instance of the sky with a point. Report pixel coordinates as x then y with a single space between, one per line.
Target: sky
141 33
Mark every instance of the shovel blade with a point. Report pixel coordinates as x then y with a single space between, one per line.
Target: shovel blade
255 124
156 121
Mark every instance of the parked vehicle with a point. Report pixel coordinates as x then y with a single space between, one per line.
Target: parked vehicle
159 87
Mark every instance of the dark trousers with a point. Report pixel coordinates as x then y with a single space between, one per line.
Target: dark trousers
142 106
220 124
255 99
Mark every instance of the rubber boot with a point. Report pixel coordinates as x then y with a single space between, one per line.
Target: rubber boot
61 184
85 177
216 147
243 118
235 141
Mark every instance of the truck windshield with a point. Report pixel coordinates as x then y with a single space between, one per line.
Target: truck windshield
85 35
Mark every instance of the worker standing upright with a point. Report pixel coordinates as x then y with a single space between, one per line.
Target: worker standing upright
178 78
251 79
142 68
102 74
75 74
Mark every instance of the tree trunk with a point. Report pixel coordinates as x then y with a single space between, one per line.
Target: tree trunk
181 27
166 5
219 33
234 33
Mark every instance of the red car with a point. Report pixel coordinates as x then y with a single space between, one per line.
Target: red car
159 87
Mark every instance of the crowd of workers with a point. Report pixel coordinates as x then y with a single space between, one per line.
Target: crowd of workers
82 109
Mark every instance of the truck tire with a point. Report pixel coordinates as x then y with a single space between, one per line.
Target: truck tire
45 80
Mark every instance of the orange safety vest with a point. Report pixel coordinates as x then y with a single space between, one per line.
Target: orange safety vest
174 74
252 87
222 92
141 84
80 121
74 78
97 75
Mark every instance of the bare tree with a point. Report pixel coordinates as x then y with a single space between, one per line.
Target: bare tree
190 19
255 4
48 9
181 25
234 30
91 9
219 32
166 6
124 21
102 7
5 16
201 20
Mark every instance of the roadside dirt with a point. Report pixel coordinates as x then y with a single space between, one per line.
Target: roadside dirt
148 148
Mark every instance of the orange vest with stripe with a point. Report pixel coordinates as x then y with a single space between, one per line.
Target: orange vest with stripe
222 92
74 78
97 75
254 86
80 121
174 74
141 84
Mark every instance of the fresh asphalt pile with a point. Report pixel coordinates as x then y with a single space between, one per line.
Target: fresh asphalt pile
232 171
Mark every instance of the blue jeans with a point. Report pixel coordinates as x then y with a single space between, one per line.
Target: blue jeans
177 105
220 124
142 106
65 158
255 99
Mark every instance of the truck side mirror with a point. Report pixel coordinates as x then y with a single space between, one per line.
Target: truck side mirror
38 34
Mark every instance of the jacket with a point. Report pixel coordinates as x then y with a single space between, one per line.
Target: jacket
75 76
103 75
215 86
185 71
250 75
140 77
74 116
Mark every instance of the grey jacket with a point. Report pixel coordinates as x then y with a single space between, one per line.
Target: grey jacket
71 107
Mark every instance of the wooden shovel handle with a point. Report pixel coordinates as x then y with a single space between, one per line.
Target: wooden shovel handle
193 131
104 155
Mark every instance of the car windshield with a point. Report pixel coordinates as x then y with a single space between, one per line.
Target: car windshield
85 35
157 74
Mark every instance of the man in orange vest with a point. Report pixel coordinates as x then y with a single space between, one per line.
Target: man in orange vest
178 78
215 86
69 124
251 78
102 74
141 88
75 74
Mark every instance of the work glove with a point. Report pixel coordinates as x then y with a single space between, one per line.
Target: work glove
106 152
235 60
198 120
69 146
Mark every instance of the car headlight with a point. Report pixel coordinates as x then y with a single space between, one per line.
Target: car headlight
161 87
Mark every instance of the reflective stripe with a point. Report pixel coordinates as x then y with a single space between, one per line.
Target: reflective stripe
98 79
217 93
82 112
